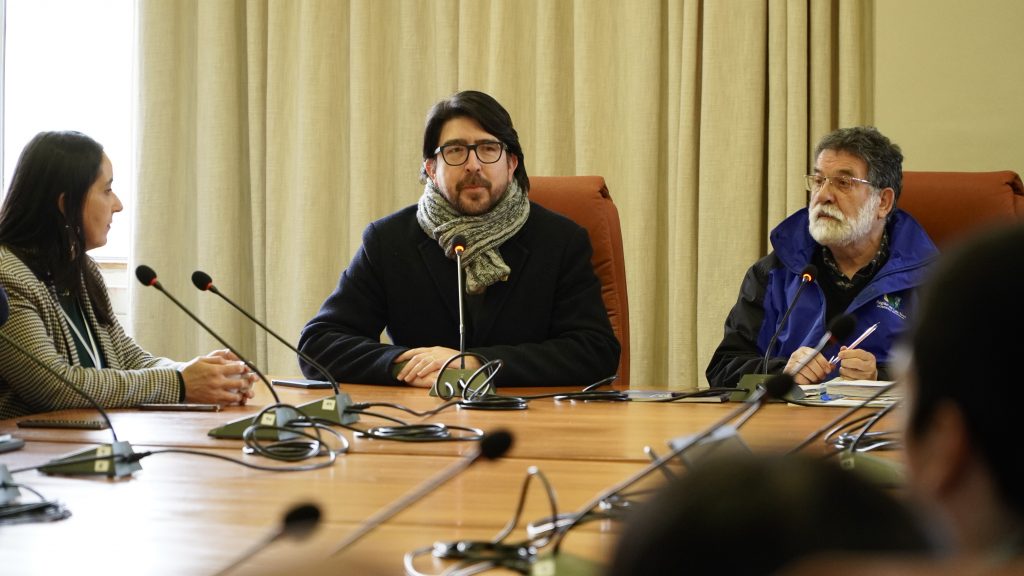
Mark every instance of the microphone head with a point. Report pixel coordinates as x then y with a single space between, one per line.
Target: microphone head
146 275
300 521
459 244
809 273
778 386
495 444
842 326
202 280
5 306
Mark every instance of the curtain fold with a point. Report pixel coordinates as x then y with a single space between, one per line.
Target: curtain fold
271 133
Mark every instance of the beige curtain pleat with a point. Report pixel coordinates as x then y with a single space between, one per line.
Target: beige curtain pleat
272 132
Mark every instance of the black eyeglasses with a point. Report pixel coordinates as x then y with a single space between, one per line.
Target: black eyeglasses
457 154
841 183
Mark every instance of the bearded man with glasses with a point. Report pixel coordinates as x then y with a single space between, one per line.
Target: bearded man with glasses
531 297
870 257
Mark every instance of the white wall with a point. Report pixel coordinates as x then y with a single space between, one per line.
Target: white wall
949 82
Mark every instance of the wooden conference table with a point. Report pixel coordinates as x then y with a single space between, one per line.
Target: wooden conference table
186 514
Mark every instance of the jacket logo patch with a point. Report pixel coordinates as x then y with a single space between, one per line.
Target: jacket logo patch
892 304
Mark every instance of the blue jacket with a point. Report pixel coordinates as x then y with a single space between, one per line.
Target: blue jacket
770 284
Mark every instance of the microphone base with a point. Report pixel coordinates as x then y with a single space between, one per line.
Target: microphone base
725 441
879 471
455 376
280 416
749 382
8 493
99 461
331 409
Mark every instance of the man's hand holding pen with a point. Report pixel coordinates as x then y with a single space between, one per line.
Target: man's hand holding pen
854 363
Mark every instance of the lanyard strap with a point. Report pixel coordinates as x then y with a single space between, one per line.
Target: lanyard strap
90 345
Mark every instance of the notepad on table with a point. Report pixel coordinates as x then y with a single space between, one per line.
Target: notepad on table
858 389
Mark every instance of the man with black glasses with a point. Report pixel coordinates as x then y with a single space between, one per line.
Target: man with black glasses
531 297
869 257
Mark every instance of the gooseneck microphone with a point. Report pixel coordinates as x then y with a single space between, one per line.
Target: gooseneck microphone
147 276
459 246
838 330
113 460
332 408
808 275
297 524
474 396
776 387
492 447
273 420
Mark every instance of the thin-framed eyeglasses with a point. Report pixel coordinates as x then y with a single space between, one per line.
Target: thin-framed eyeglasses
842 183
457 154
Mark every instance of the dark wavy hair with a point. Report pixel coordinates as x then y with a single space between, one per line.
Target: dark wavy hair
51 243
491 116
785 508
884 159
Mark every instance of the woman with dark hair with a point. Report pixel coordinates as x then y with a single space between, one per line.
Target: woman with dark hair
59 206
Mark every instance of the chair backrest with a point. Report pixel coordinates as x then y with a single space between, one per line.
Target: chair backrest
585 199
950 205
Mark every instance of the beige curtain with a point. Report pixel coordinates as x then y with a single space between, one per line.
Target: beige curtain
272 132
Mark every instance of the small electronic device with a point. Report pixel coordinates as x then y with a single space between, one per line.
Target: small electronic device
181 407
61 423
301 383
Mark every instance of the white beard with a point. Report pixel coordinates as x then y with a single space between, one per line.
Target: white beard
842 231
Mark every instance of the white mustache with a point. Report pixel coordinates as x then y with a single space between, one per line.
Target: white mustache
830 210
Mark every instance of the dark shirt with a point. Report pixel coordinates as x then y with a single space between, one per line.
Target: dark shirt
840 290
74 313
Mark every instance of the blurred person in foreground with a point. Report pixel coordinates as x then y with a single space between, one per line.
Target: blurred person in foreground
963 459
752 514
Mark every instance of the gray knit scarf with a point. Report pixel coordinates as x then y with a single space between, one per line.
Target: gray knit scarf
484 233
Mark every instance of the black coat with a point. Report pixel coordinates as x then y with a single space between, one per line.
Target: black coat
547 322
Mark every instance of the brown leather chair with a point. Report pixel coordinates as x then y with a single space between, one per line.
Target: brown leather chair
950 205
585 199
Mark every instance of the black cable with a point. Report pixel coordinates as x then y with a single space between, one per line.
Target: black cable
423 433
602 382
478 555
885 440
289 449
588 389
839 428
398 421
403 431
495 402
447 391
871 423
332 455
592 396
703 393
359 408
